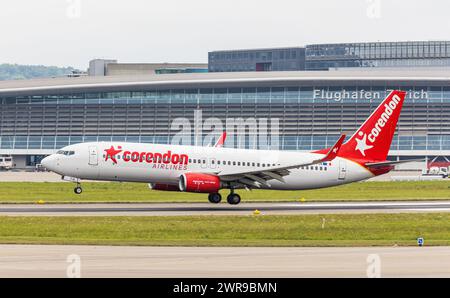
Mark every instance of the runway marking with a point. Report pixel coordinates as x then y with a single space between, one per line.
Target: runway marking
200 208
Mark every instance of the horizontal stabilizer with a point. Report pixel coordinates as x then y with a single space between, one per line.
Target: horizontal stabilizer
390 163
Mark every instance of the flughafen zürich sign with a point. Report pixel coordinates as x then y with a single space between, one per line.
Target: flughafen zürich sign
340 95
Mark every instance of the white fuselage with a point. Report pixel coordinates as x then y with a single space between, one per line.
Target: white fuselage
91 161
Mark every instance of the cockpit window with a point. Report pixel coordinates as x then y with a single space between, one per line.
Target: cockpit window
67 153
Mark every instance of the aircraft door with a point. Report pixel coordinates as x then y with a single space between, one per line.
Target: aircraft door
93 155
342 170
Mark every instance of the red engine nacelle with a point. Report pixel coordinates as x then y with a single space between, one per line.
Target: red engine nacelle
203 183
164 187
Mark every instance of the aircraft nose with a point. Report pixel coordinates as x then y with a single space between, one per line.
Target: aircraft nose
49 162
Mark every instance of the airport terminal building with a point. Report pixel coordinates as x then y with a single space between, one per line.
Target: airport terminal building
323 57
312 109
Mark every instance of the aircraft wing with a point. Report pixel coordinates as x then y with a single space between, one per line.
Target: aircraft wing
256 178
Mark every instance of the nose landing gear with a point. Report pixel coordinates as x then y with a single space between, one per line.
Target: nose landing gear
78 190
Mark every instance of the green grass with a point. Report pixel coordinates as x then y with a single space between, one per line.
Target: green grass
28 192
293 230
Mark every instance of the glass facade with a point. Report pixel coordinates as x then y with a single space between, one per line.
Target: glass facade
378 54
329 56
289 59
309 116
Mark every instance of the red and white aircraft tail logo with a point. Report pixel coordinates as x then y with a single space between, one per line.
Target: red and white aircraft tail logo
373 139
361 144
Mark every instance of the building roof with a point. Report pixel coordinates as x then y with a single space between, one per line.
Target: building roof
125 69
257 49
223 78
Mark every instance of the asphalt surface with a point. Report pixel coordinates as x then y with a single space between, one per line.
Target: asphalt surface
220 209
230 262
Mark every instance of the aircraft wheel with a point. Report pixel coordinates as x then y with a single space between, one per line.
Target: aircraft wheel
214 198
78 190
234 199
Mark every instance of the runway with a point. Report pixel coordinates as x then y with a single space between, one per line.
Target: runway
226 262
176 209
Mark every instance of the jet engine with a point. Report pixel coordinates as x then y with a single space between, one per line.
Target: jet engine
202 183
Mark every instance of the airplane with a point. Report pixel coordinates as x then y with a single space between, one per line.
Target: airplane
210 169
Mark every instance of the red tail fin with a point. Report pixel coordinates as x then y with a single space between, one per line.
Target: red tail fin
373 139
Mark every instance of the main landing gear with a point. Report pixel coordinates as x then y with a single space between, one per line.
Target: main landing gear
78 190
215 198
232 198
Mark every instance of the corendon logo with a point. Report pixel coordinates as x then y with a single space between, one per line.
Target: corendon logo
389 108
361 144
157 158
168 160
111 153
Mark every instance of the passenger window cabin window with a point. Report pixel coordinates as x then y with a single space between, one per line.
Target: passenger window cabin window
234 163
239 163
253 164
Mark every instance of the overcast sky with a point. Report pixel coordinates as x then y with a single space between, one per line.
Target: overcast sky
63 33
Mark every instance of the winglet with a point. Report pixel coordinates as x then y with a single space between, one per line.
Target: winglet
221 140
333 152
